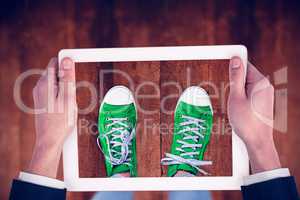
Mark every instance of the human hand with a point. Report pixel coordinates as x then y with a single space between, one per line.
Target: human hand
250 110
55 115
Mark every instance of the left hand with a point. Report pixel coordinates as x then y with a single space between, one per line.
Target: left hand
56 115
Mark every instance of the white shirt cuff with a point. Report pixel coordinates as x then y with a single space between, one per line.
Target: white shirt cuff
266 176
41 180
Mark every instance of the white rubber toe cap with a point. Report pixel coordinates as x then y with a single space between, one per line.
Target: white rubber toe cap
196 96
118 95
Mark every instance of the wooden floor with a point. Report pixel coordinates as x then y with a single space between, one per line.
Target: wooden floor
33 31
157 87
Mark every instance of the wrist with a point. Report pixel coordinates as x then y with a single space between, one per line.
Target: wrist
263 156
45 160
47 144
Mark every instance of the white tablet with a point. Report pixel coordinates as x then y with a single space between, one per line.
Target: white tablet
239 158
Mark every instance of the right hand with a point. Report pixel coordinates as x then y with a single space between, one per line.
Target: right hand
250 110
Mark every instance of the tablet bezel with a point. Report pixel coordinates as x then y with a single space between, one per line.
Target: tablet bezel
240 161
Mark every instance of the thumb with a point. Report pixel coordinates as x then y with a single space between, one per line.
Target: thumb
67 70
67 77
236 78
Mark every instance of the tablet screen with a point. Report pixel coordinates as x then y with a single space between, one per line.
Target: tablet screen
157 88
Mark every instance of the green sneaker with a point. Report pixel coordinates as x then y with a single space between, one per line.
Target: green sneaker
193 120
116 125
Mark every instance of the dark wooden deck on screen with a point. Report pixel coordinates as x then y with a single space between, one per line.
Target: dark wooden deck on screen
161 83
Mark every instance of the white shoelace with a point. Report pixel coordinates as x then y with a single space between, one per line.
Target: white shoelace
120 137
172 159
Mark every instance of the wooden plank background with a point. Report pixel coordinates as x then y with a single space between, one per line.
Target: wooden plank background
33 31
164 81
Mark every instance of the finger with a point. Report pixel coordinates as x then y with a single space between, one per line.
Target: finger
236 78
253 75
51 67
256 80
67 78
52 70
67 70
46 87
48 77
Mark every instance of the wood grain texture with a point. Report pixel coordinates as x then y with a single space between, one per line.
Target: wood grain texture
176 76
33 31
10 151
143 79
90 159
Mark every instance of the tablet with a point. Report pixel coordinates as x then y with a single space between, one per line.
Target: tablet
157 76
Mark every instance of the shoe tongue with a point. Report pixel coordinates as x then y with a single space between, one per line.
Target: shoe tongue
118 148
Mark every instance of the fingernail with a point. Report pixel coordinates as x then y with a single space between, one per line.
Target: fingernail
67 63
235 63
